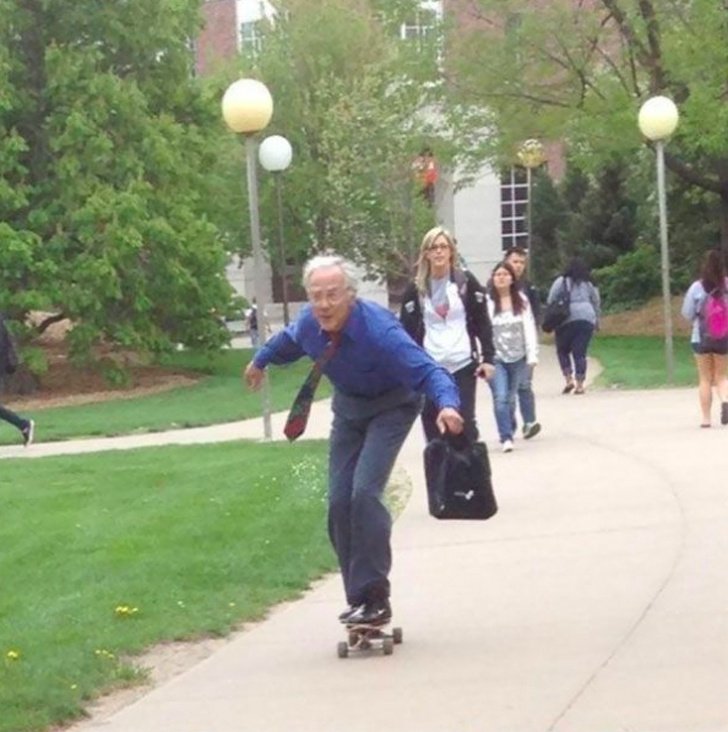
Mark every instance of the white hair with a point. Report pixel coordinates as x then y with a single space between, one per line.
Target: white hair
322 261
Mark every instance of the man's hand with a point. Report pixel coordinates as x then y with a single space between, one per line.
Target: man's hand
253 376
449 420
485 370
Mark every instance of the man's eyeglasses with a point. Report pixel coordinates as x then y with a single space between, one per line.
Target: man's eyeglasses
437 247
332 297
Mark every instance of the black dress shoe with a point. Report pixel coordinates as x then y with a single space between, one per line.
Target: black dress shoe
378 612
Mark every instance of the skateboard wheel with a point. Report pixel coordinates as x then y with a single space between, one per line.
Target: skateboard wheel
342 649
388 646
397 635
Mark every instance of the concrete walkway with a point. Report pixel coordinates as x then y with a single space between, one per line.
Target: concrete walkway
595 601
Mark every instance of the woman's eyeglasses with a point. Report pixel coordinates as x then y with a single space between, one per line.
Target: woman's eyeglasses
437 247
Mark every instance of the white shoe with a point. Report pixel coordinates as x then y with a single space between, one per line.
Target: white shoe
508 446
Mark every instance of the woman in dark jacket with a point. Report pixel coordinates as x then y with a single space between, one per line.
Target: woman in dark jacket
444 311
8 363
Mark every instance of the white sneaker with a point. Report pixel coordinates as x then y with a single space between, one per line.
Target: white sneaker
508 446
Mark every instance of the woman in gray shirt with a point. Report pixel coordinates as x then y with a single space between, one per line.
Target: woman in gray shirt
574 334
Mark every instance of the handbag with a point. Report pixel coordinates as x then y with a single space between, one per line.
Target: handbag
558 311
457 473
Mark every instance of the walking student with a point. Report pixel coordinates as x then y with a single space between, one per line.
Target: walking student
378 373
575 333
444 311
8 364
705 307
516 346
518 259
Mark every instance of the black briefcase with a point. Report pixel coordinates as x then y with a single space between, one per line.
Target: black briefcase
458 479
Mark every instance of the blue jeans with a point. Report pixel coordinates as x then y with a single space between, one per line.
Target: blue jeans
366 437
504 386
526 399
7 415
572 340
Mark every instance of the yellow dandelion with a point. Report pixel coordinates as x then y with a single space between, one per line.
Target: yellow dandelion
13 655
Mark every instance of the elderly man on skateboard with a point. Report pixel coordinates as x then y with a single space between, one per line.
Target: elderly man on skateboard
379 374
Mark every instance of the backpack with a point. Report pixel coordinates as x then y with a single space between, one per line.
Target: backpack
714 317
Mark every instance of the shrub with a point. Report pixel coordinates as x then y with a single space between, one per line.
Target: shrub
632 280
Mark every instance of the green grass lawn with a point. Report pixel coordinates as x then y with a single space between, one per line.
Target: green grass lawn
220 396
638 362
192 540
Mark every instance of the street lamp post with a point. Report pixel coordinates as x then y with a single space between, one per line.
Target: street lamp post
247 108
531 155
658 118
275 155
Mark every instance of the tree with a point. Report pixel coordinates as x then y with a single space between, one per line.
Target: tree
579 71
350 97
106 148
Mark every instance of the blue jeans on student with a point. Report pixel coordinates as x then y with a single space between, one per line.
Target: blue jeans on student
504 386
572 340
7 415
526 399
366 436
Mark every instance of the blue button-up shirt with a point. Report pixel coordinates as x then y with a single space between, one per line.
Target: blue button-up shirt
375 355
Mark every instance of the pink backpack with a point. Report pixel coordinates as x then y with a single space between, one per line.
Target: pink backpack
714 315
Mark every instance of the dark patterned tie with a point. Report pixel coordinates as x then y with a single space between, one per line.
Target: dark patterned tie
298 416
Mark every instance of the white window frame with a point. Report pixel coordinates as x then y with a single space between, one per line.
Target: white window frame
514 208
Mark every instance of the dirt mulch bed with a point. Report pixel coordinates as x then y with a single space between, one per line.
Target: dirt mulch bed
65 385
648 320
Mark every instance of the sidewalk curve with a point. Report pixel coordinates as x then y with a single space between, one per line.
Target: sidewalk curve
595 601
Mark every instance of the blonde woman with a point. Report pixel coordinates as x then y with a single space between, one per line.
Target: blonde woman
444 311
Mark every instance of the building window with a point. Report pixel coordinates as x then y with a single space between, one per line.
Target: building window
514 208
423 24
251 40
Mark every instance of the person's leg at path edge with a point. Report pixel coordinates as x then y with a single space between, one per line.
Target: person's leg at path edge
721 385
25 426
704 363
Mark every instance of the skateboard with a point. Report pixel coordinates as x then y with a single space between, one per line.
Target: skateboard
365 637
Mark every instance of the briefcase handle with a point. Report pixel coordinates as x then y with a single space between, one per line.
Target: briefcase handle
457 442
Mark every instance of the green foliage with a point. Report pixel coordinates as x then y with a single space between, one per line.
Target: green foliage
350 99
106 151
632 280
106 555
592 215
602 223
580 74
548 216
